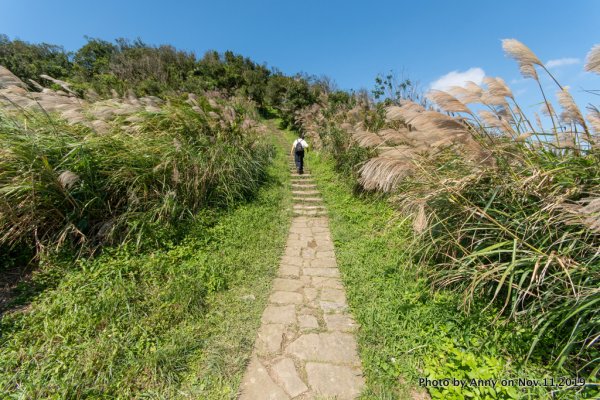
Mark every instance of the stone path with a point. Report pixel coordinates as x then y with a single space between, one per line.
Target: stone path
305 347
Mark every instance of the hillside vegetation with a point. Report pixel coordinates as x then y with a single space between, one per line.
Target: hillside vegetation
504 209
143 208
137 193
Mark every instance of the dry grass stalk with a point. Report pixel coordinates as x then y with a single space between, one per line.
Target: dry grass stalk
524 57
519 52
420 220
523 137
592 63
495 120
393 113
571 113
593 118
401 149
528 71
470 93
68 179
394 137
586 211
538 121
497 87
383 173
548 109
367 139
447 102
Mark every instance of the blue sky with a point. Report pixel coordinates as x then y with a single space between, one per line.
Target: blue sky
350 41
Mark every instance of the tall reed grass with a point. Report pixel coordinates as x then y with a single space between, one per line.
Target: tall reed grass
81 173
506 209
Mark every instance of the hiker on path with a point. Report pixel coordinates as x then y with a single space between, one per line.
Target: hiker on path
298 148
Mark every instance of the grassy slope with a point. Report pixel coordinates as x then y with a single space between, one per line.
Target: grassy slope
407 331
177 322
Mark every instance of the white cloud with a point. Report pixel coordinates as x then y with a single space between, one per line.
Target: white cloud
561 62
457 78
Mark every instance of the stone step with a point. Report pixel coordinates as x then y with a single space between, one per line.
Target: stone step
308 199
306 193
303 182
298 207
297 186
310 213
301 176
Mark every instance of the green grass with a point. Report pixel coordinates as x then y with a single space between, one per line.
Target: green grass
172 322
407 330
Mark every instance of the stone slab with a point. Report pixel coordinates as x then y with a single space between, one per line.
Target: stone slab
285 372
328 272
339 322
325 254
334 295
257 384
323 263
308 322
287 285
326 282
334 347
270 337
340 382
289 270
295 261
280 297
310 294
330 306
279 315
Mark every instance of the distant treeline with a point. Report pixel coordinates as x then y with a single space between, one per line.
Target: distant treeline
105 67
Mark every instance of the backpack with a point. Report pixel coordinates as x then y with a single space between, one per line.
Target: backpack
299 148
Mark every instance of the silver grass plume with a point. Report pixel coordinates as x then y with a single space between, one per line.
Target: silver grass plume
447 102
384 173
593 118
493 120
367 139
592 63
470 93
521 53
524 57
571 113
394 137
497 87
528 71
538 121
68 179
420 220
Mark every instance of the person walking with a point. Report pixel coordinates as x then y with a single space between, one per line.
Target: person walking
298 148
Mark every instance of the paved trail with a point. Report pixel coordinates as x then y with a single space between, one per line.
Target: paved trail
305 347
